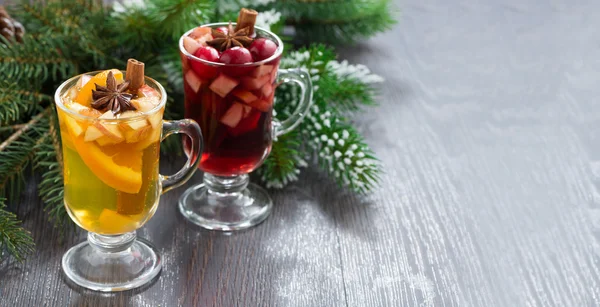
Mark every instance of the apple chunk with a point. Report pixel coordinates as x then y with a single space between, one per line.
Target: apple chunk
190 44
243 95
136 135
92 133
233 115
144 104
222 85
147 91
254 83
110 130
74 127
193 80
262 70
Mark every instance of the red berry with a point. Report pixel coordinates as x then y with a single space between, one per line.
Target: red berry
207 53
262 48
236 55
203 70
223 30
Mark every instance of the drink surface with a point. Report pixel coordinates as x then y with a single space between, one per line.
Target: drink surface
233 103
111 181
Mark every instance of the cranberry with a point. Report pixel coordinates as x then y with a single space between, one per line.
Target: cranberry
203 70
262 48
236 55
223 30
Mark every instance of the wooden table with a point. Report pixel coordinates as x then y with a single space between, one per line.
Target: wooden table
489 130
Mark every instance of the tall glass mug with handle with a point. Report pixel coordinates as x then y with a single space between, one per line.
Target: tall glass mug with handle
233 103
111 180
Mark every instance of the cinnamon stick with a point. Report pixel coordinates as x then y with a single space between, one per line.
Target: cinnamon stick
134 74
246 18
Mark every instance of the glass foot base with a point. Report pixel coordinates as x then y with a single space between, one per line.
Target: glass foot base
225 211
110 271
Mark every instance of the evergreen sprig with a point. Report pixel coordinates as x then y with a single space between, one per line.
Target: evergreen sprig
327 135
13 238
328 21
18 100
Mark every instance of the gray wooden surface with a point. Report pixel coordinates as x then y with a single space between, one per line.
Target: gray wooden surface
489 131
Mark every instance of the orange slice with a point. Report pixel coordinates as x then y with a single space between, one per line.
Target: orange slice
121 171
85 94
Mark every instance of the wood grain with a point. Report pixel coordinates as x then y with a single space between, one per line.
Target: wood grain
488 127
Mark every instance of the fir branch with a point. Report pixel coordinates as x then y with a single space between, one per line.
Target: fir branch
341 150
17 152
282 165
16 100
338 147
335 21
175 17
49 159
13 238
35 59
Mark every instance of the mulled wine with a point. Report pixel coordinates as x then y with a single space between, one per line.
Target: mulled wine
229 92
230 72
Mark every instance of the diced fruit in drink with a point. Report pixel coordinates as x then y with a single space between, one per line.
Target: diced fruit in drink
155 120
83 110
247 110
262 70
244 95
108 129
262 48
267 90
254 83
190 44
74 127
121 171
72 93
203 70
152 137
246 124
201 34
233 115
200 31
261 105
222 85
115 223
144 104
148 91
136 135
85 94
273 76
133 124
193 80
92 133
83 80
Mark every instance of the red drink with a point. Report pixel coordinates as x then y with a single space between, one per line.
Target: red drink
229 79
232 103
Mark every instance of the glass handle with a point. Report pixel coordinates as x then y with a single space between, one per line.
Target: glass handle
302 79
192 130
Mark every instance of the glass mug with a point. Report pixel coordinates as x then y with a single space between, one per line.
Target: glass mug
111 190
233 104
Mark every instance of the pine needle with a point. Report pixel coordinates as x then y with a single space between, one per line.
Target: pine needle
13 238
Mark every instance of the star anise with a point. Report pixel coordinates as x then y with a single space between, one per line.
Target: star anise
112 96
224 41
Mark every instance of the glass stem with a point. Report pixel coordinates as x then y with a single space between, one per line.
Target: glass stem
225 185
111 244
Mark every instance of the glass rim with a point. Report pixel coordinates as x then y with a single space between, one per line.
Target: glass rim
275 55
59 102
